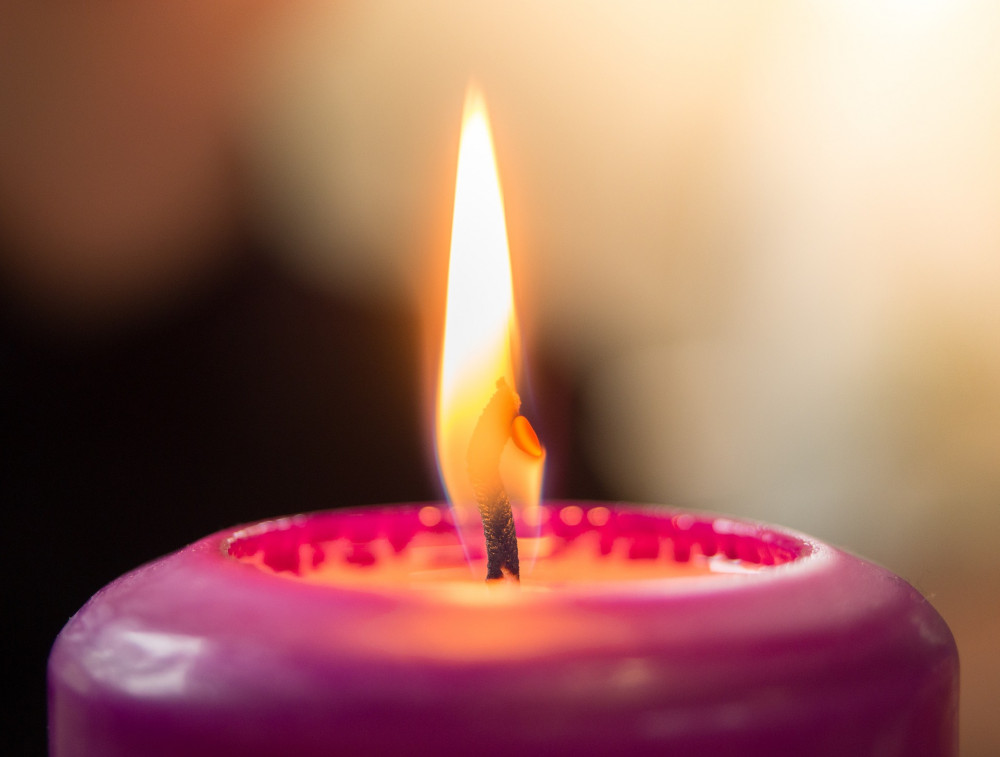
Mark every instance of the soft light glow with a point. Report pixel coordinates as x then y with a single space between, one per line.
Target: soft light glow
480 335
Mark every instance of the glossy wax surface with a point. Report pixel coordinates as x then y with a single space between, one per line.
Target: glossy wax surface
639 631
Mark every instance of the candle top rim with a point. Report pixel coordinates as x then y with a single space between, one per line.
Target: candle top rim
201 593
733 553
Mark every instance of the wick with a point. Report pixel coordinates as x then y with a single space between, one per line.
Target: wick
489 437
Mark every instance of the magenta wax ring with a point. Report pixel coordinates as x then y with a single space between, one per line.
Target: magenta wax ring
635 630
571 545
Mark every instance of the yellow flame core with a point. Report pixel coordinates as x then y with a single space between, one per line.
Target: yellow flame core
480 334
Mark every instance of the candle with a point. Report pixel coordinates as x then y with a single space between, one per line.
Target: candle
603 629
637 631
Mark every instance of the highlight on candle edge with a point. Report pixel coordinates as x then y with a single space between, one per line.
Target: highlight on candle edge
484 457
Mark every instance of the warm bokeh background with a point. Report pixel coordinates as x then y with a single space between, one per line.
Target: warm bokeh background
757 252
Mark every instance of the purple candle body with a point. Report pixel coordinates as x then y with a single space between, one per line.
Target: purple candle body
776 644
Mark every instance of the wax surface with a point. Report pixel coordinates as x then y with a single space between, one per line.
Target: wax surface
636 631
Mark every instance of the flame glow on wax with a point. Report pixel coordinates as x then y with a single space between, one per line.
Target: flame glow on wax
480 344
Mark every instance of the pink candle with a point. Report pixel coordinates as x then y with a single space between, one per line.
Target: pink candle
632 631
636 631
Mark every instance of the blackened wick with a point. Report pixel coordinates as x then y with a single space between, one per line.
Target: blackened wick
485 447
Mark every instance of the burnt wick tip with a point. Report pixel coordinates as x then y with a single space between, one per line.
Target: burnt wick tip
489 436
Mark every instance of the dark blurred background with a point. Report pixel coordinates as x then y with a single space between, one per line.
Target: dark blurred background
755 252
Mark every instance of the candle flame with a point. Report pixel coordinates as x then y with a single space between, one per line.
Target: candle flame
480 350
